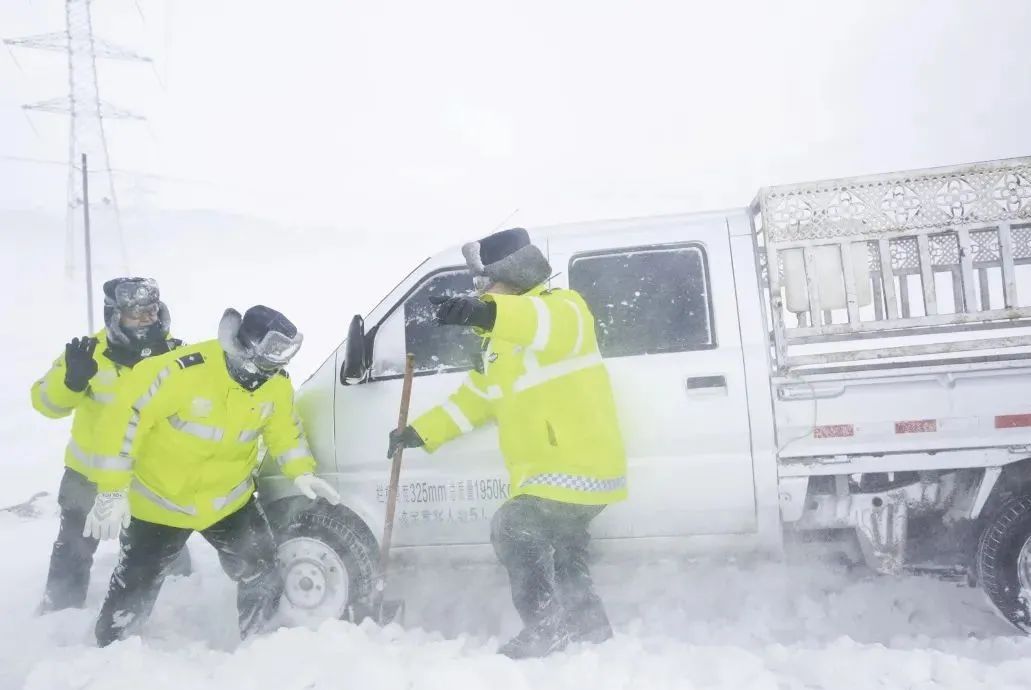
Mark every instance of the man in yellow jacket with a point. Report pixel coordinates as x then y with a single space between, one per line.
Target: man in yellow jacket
179 445
543 381
81 382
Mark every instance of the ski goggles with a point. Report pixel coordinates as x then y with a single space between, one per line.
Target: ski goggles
274 351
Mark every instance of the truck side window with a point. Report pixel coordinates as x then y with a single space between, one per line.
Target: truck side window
411 328
647 300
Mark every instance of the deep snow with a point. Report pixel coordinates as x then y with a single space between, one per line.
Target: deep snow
684 624
680 623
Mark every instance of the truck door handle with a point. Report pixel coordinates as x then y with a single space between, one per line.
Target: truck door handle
700 382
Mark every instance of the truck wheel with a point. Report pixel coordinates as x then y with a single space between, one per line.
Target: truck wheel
1004 561
327 562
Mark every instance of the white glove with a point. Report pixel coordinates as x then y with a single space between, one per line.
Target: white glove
110 513
313 487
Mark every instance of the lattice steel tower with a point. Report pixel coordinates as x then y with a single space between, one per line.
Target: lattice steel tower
87 113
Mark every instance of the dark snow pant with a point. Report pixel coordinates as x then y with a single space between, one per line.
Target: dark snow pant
543 545
72 556
246 549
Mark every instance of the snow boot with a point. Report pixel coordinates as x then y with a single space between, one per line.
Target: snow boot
537 640
588 623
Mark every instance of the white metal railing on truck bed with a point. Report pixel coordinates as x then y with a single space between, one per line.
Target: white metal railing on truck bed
922 257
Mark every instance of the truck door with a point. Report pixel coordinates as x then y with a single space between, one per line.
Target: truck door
449 496
664 301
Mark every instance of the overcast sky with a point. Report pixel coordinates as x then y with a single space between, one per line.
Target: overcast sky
390 117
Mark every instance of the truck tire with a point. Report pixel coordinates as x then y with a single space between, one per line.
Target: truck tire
328 560
1004 561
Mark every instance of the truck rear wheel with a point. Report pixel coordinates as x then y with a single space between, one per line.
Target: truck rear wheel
327 562
1004 561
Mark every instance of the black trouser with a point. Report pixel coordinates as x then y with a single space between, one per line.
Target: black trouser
543 544
246 549
72 556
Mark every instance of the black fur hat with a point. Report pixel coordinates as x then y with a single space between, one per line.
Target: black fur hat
508 257
119 293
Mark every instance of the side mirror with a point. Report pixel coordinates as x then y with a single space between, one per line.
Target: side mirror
355 366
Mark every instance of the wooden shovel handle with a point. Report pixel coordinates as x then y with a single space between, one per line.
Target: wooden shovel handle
395 469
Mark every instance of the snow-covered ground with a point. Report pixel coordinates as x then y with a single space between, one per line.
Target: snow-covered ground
680 624
683 624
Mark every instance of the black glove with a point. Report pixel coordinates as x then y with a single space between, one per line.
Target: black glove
406 438
465 311
79 363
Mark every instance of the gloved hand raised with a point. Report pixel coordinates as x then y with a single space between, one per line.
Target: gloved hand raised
110 513
79 364
314 488
465 310
406 438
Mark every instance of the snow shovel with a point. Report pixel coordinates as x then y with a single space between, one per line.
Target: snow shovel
384 612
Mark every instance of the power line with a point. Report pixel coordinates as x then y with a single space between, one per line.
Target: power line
26 159
117 171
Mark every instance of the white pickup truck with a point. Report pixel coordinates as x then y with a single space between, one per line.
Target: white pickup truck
846 359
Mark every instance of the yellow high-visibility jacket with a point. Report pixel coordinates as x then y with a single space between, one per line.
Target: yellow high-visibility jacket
182 436
545 384
51 398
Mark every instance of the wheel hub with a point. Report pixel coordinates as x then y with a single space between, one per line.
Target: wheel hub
316 584
1024 566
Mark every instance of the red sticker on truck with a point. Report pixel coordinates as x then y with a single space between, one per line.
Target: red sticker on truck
834 431
1012 421
916 426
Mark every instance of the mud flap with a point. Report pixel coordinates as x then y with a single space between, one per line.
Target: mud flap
882 529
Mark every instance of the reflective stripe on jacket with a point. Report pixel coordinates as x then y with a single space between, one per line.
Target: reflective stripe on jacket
545 384
183 437
52 398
